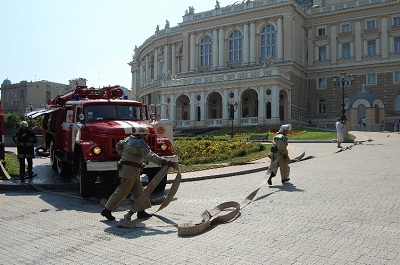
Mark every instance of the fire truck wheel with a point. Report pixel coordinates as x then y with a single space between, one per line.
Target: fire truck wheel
151 173
63 169
53 160
40 151
86 180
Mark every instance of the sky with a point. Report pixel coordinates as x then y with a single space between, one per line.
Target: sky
59 40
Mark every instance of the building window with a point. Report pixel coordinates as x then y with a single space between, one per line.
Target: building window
322 82
268 41
396 21
396 77
371 79
397 103
321 32
346 50
345 28
322 53
163 70
371 47
235 46
321 106
206 51
396 47
371 24
48 96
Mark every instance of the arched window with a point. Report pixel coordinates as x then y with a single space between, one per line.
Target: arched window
235 46
321 106
198 114
268 41
269 110
205 51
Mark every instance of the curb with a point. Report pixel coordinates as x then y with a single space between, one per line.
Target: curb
235 173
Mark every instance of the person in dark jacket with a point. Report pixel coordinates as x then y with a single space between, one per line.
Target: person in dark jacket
25 140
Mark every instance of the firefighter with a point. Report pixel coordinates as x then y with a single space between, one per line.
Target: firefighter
25 140
133 150
279 155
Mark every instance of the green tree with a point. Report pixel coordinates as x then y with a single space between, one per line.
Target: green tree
12 120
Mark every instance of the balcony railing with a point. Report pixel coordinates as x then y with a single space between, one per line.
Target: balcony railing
214 77
249 121
214 123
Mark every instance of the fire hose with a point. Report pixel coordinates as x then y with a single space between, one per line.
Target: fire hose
150 188
231 208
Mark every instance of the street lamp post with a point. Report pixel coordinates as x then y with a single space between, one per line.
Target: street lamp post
232 108
343 81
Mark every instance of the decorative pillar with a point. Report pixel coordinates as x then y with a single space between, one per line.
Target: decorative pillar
173 60
215 49
192 52
166 54
141 76
221 51
185 52
147 68
245 44
155 63
192 117
279 39
357 39
384 38
261 104
252 42
171 106
333 45
163 106
202 107
275 103
225 101
134 82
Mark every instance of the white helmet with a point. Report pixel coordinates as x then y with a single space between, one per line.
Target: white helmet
23 124
285 127
142 130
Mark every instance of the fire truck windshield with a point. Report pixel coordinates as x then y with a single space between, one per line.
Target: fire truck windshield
113 112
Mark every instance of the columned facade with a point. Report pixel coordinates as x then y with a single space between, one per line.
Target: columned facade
275 60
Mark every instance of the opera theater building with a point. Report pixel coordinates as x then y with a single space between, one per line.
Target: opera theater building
268 62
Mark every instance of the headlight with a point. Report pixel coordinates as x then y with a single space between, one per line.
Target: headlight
164 147
97 150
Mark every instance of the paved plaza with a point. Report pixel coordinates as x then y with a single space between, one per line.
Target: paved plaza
339 208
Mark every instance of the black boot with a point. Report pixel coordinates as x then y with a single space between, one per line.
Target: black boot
107 214
285 180
32 174
22 178
270 179
143 214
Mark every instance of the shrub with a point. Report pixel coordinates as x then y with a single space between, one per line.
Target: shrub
203 151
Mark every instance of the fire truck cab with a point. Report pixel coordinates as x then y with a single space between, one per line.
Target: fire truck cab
82 128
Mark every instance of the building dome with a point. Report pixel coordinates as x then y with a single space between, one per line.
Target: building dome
6 82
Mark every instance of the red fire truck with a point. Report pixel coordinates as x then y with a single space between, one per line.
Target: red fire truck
82 127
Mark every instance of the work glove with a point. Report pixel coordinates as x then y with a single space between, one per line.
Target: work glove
285 156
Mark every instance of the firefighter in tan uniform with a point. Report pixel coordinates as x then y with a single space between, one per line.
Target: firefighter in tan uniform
133 150
279 155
